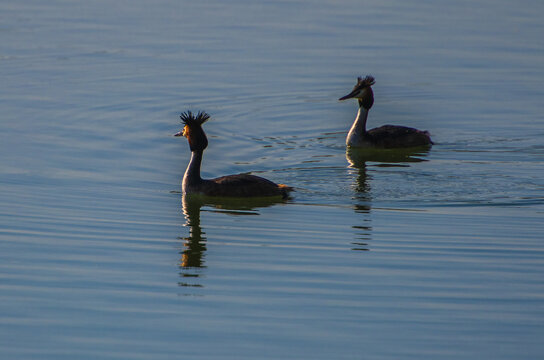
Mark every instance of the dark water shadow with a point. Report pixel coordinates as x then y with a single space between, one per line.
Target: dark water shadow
193 253
358 159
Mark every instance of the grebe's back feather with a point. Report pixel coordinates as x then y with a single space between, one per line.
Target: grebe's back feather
245 185
395 136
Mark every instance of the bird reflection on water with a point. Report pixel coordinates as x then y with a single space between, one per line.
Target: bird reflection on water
358 159
194 247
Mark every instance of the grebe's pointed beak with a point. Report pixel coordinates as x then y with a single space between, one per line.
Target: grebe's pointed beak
184 132
350 95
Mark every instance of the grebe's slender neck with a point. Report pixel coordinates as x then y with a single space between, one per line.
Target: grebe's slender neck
358 129
192 174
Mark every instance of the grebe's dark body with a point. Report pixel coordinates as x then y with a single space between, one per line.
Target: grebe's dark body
394 136
240 185
387 136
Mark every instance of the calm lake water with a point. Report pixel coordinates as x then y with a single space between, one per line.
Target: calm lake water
432 255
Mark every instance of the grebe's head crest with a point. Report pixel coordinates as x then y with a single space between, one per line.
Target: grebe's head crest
188 118
362 91
193 129
365 81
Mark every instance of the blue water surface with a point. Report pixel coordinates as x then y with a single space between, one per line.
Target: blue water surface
436 254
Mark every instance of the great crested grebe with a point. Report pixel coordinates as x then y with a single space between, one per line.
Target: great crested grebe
385 137
241 185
